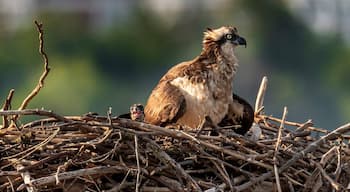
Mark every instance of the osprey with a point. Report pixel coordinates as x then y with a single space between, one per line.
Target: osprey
136 113
202 87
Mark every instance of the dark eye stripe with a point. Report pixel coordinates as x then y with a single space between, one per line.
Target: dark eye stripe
227 37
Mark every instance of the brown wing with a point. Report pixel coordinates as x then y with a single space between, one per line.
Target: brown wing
240 113
165 105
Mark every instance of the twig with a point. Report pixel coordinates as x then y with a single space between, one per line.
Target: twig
260 96
7 106
43 76
63 167
295 124
166 159
32 149
277 145
26 178
334 184
217 188
77 173
224 174
39 112
311 147
11 184
47 159
138 165
339 162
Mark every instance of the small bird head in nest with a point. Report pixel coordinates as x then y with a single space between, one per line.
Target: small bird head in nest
223 39
137 112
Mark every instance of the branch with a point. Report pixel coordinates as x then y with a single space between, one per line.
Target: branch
77 173
277 145
260 96
7 106
310 148
43 76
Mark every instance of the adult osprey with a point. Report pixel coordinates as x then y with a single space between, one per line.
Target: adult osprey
202 87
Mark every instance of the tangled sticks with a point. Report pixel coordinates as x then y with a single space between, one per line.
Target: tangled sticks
112 154
106 153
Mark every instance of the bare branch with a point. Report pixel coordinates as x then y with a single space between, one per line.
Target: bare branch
43 76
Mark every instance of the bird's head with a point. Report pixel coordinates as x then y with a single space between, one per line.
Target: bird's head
137 112
223 39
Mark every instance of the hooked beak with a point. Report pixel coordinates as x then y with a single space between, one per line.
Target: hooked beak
241 41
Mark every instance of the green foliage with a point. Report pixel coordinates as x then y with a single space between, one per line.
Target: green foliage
94 68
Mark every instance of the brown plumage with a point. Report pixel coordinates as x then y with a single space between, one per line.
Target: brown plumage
201 87
240 113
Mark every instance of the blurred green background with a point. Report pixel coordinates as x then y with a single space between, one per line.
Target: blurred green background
111 53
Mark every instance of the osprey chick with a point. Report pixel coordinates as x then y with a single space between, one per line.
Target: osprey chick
136 113
202 87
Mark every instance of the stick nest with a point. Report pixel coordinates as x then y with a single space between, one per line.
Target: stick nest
96 153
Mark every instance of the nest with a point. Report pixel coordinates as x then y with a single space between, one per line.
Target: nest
106 153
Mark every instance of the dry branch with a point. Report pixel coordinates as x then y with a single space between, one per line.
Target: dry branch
7 106
43 76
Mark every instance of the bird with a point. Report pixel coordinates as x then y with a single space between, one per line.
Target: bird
202 87
240 113
136 113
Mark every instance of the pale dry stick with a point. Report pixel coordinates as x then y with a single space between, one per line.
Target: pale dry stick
72 174
137 185
223 173
166 159
295 124
220 187
104 156
339 163
26 178
97 141
333 183
11 184
39 112
64 166
260 96
328 155
9 173
43 76
47 159
277 145
7 106
304 126
310 148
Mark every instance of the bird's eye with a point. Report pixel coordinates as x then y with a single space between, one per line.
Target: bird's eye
229 36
